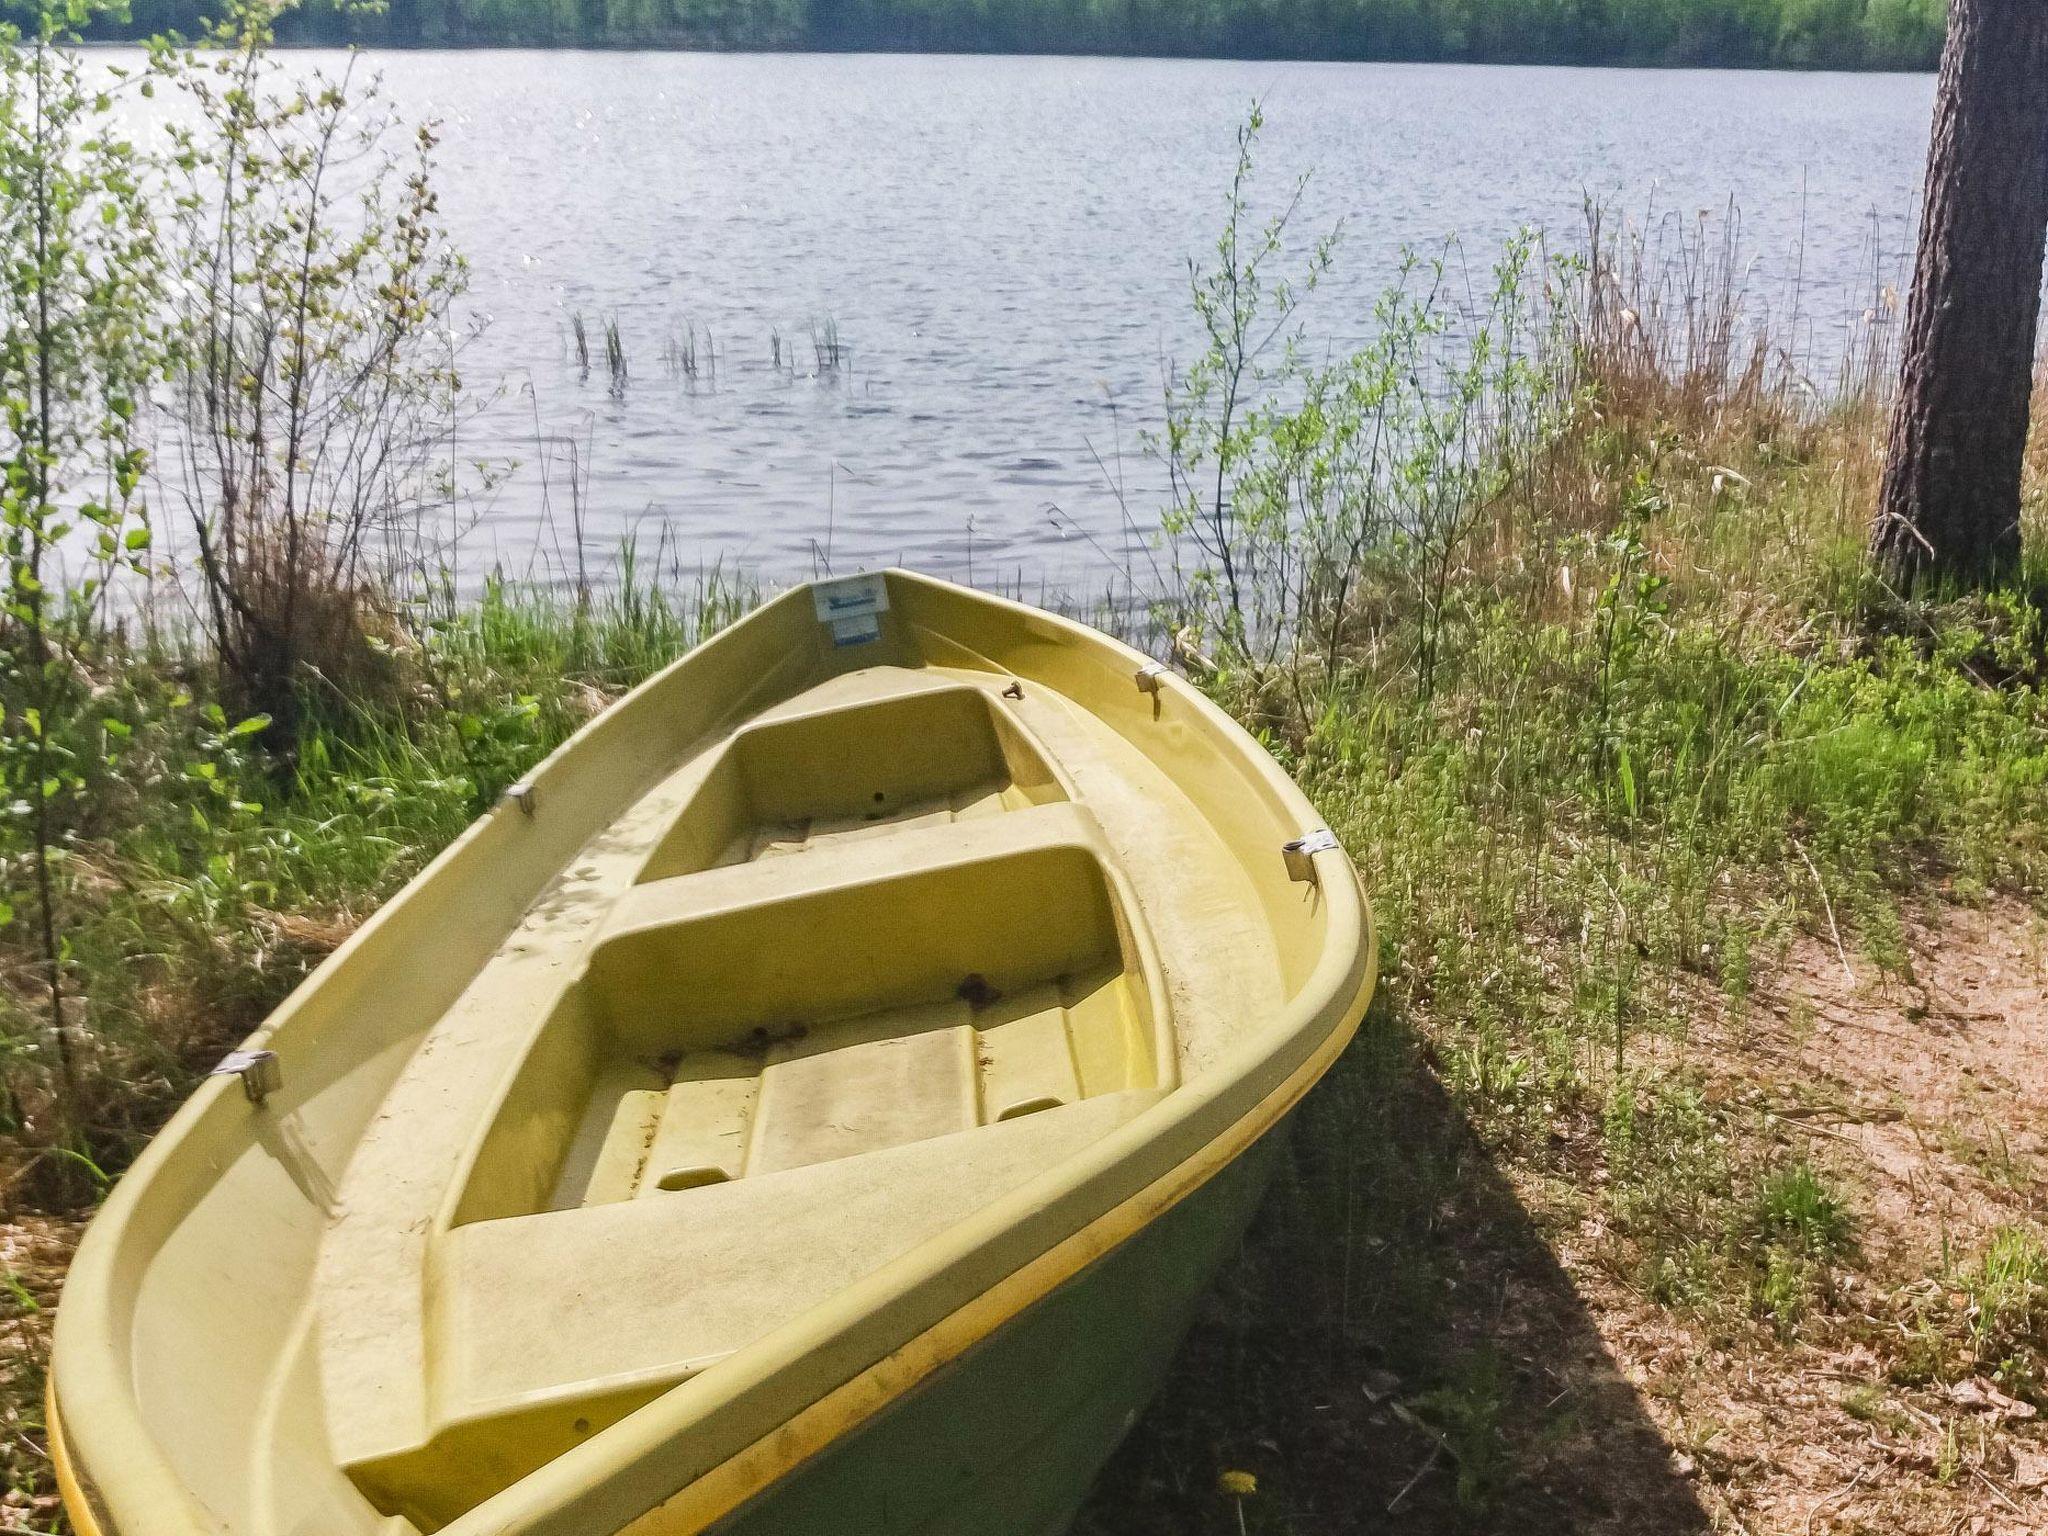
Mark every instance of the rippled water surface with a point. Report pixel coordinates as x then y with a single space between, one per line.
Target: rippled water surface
1001 245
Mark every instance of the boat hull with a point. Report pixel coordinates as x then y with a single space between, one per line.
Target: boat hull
1007 1439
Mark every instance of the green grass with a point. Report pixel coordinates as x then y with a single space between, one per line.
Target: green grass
1569 850
1579 852
2006 1307
205 878
1657 724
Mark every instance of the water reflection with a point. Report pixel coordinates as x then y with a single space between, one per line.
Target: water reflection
999 248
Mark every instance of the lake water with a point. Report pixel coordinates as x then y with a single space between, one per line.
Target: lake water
1001 245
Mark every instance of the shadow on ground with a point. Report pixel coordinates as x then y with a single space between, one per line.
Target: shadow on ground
1395 1350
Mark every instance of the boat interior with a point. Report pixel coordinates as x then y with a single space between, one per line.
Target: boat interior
828 988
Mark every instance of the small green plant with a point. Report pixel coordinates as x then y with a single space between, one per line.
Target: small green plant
615 356
81 274
22 1297
1300 487
1796 1211
1630 603
1468 1409
1691 1274
1868 1403
1798 1229
829 350
1784 1289
1736 967
1948 1456
317 380
2006 1307
1921 1355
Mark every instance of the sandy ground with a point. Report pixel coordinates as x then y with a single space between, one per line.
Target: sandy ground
1927 1097
1924 1099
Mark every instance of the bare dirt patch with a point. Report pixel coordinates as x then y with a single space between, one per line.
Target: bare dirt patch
1477 1360
1925 1093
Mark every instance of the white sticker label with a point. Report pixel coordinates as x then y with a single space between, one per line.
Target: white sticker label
856 629
852 606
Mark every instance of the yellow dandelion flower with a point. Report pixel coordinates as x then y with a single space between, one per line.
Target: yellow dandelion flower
1240 1484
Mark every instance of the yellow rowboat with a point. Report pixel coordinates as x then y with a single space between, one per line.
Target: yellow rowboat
812 1104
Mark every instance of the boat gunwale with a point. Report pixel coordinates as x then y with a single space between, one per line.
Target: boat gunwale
1061 1220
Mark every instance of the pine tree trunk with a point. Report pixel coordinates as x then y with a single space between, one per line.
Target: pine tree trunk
1950 507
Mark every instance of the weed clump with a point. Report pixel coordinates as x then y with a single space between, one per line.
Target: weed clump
2006 1309
1797 1230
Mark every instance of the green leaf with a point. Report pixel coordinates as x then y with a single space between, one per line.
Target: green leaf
137 538
250 726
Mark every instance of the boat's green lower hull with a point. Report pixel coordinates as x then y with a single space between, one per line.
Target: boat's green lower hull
1007 1439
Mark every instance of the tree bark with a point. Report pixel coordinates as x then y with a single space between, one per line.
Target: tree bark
1949 511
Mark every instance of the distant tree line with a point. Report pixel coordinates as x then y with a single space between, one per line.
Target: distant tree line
1818 34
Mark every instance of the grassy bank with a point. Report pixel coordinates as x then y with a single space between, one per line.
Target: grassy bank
1686 1173
1622 816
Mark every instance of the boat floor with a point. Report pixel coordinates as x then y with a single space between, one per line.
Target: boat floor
745 1051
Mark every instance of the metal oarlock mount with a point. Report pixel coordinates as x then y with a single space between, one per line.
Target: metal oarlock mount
1301 853
523 796
1149 676
259 1071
